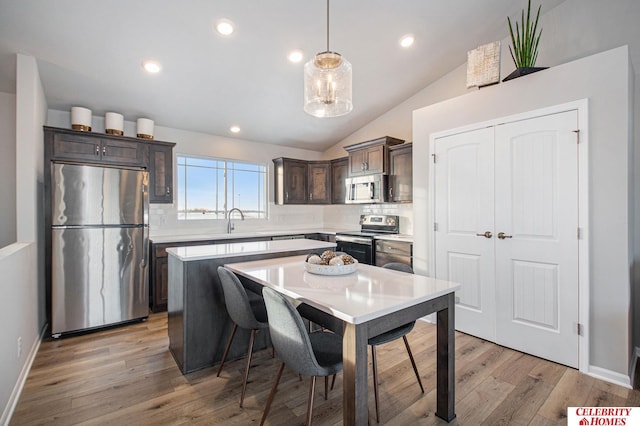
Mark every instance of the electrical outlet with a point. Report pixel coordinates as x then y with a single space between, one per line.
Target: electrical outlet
19 347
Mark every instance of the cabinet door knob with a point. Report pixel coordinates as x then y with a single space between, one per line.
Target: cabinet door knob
104 150
286 195
168 190
97 149
502 235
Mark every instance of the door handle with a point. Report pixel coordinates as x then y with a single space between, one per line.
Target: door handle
487 234
502 235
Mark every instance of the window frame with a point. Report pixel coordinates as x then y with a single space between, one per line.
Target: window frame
182 187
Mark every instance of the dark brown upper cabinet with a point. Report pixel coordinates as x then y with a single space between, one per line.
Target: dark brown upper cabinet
319 182
401 173
339 174
370 157
290 186
96 148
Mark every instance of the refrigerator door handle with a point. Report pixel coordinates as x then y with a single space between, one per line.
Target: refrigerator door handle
145 247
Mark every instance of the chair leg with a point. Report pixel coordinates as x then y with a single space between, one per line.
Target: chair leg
374 365
246 369
326 387
333 381
272 394
310 404
226 350
413 363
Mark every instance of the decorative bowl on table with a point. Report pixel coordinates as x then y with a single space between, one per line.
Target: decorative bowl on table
330 263
331 269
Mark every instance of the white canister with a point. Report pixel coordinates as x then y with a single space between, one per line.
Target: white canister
81 119
114 123
144 128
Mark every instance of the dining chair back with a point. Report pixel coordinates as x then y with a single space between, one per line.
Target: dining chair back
315 354
246 312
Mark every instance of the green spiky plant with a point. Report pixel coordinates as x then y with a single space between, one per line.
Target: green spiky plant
525 41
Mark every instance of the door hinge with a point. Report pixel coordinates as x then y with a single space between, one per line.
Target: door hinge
435 226
434 158
577 132
579 329
578 233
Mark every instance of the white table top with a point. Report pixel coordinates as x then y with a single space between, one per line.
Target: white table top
226 250
366 294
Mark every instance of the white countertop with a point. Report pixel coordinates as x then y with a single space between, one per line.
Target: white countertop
164 239
229 250
370 292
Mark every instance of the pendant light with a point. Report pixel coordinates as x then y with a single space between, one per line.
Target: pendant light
327 83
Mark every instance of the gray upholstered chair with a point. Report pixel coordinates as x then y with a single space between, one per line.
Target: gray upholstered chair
245 312
390 336
315 354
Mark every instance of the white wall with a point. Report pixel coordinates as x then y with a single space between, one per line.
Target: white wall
574 29
604 80
22 313
7 168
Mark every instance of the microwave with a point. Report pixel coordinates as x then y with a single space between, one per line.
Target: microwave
366 189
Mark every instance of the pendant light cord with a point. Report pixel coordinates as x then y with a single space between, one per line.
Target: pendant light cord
327 25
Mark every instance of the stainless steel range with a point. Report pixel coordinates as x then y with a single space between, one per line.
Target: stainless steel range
360 244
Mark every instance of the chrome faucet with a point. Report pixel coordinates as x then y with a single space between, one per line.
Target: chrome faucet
230 226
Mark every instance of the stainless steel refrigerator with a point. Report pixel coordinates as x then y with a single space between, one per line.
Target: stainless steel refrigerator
99 239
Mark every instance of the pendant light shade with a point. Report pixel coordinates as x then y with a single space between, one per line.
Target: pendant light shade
327 83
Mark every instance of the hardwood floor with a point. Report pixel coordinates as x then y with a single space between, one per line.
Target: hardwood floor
126 376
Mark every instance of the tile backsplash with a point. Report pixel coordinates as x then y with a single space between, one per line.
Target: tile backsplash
163 219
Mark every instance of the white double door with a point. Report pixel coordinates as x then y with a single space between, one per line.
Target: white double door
506 228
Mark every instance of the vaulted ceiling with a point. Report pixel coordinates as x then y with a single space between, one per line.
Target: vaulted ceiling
89 53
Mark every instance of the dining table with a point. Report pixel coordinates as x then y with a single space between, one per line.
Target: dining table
369 301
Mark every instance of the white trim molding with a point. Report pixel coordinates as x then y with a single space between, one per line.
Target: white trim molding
22 378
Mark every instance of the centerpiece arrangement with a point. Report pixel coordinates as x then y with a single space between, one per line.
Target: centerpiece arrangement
330 263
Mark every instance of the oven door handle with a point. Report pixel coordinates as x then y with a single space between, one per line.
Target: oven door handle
357 240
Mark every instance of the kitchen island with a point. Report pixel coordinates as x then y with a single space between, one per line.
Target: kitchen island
198 323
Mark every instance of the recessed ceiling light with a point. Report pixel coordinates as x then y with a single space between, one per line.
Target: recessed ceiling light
152 67
234 129
296 55
407 40
225 27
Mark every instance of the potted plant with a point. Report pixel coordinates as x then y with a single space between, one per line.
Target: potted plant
525 40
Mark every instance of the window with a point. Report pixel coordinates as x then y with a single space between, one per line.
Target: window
209 187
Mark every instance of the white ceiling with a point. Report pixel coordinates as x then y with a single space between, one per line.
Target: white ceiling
89 54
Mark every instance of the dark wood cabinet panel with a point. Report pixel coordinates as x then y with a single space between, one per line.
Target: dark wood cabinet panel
74 147
367 161
319 182
370 157
160 173
401 173
160 289
290 181
122 152
94 148
339 174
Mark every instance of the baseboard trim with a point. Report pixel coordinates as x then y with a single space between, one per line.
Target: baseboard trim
22 378
609 376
